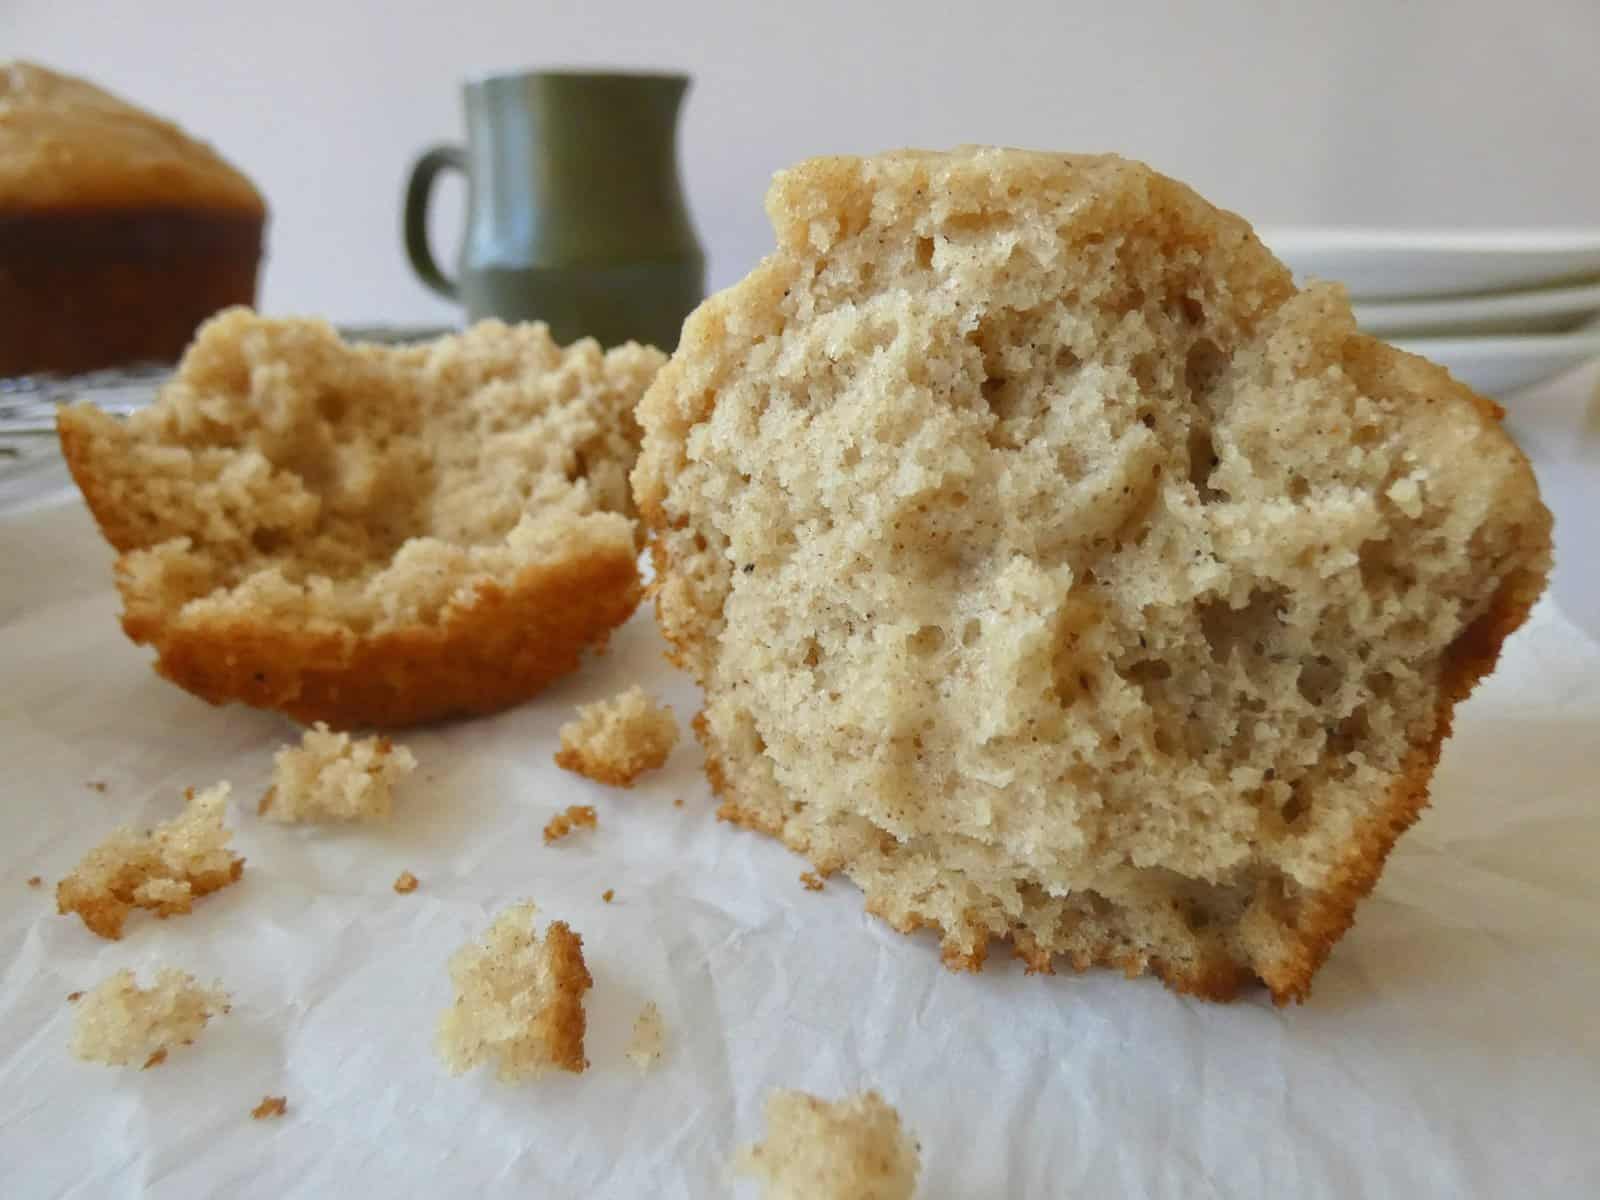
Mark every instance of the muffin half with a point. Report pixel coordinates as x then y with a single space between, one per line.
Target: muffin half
1061 574
365 535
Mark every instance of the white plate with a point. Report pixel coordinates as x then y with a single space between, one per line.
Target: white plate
1495 366
1543 310
1380 264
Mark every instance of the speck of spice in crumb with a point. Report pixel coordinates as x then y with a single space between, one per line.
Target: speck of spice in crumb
270 1106
812 881
34 881
607 894
407 882
579 816
156 1059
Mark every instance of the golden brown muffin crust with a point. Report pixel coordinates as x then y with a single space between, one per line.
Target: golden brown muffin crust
66 144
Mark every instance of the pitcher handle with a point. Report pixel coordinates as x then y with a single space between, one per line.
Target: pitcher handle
419 190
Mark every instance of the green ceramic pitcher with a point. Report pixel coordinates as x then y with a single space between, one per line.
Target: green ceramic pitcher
575 213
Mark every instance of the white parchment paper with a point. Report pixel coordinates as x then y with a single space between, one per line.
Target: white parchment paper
1451 1046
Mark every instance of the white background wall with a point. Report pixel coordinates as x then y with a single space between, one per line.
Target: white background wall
1396 112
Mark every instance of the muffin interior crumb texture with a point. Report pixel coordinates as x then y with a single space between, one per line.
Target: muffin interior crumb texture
851 1149
615 741
120 1023
519 1000
164 870
644 1047
1061 574
568 821
334 777
370 534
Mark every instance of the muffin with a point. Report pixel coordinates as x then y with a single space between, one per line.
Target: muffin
1062 575
371 535
119 234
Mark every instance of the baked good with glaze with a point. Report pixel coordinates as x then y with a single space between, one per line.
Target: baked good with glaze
1061 574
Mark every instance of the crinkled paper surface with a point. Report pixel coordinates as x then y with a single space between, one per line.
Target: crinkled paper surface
1450 1047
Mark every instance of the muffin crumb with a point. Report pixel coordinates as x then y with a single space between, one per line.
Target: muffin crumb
607 895
811 881
853 1149
615 741
406 883
34 881
119 1022
575 817
644 1048
270 1106
98 785
74 997
519 1000
164 870
333 777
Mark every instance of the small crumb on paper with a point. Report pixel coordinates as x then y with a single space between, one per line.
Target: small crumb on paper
644 1049
578 816
270 1106
607 895
519 1000
120 1022
332 777
34 881
845 1150
98 785
407 882
811 881
164 870
615 741
74 997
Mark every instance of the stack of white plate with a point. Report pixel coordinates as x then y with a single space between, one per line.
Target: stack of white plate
1501 310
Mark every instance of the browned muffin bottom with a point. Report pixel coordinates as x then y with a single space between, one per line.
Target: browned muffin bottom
83 290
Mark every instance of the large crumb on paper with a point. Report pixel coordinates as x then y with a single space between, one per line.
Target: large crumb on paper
577 816
519 1000
853 1149
615 741
119 1023
334 777
406 883
163 870
644 1048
